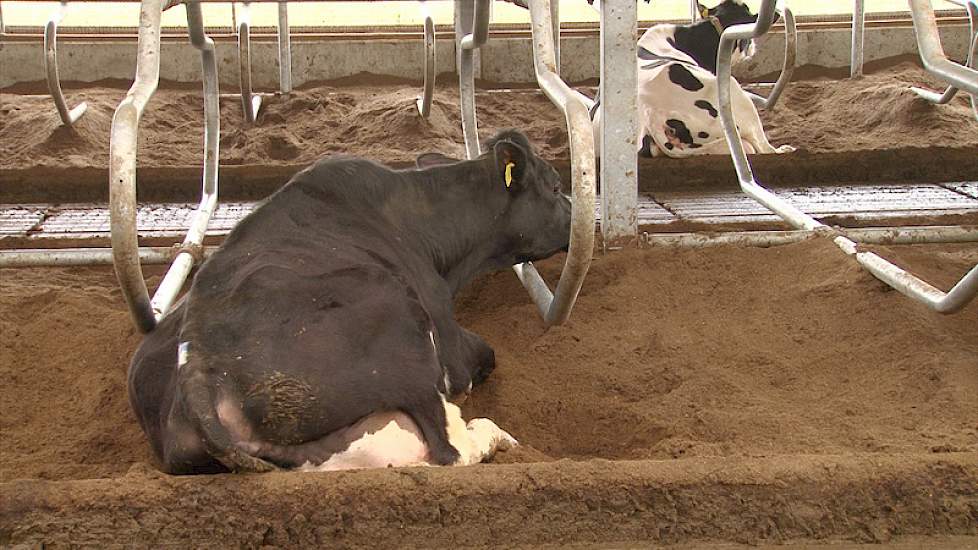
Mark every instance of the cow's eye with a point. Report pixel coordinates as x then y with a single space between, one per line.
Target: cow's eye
557 188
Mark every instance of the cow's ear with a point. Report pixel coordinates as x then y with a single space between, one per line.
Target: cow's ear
430 160
704 11
511 162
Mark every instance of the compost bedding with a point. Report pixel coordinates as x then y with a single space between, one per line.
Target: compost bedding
770 358
871 129
722 394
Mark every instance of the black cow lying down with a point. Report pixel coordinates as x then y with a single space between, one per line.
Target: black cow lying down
321 334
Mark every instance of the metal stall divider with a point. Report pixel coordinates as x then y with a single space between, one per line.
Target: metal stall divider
68 117
556 307
932 52
250 102
906 283
122 167
428 90
790 61
972 62
471 32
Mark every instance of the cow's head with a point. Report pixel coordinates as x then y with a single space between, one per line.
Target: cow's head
517 206
730 13
535 222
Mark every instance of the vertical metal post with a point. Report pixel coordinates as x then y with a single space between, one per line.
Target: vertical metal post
858 38
284 49
619 150
694 11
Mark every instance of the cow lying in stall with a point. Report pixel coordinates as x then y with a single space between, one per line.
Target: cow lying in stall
321 334
677 89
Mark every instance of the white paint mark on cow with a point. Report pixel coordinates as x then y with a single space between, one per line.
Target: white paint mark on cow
183 351
444 372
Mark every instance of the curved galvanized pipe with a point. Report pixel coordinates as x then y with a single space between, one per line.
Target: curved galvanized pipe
471 32
250 102
556 307
428 92
972 62
901 280
68 117
787 69
122 167
932 52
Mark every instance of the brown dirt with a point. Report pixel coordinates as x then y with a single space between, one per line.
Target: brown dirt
886 134
709 360
726 394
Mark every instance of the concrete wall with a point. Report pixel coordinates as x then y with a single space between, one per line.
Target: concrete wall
503 59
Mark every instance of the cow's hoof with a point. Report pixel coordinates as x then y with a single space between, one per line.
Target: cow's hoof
786 149
507 442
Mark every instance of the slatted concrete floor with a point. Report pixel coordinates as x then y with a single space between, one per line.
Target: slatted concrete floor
85 221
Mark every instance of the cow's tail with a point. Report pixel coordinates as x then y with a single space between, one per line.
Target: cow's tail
199 400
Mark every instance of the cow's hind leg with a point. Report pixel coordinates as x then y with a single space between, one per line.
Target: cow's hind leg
431 420
476 441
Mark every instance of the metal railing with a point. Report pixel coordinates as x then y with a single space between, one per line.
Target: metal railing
903 281
68 116
788 68
250 101
122 168
471 32
556 307
428 87
972 61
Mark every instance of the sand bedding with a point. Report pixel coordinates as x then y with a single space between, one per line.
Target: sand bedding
669 354
746 381
761 367
381 122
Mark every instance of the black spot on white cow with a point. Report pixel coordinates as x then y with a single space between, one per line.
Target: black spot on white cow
321 334
677 88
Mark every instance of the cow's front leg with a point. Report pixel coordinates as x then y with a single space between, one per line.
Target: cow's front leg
476 441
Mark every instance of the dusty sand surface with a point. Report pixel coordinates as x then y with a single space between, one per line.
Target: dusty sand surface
381 122
760 362
740 394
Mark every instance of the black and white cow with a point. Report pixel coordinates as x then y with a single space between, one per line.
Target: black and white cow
677 89
321 334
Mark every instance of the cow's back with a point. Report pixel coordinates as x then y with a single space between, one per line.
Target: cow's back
311 310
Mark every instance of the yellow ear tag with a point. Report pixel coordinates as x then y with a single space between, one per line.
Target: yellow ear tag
704 13
509 174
